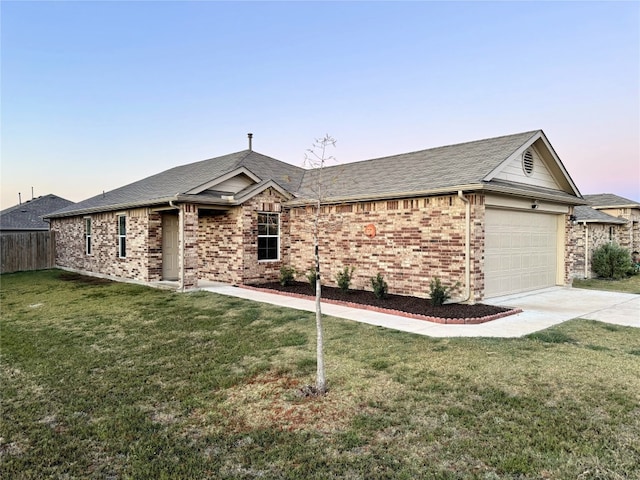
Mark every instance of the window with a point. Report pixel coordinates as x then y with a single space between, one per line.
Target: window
268 236
87 236
122 236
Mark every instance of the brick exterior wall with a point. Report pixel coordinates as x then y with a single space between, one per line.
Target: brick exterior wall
104 259
415 240
228 242
598 234
220 245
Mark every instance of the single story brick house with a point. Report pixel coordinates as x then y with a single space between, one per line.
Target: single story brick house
607 218
494 215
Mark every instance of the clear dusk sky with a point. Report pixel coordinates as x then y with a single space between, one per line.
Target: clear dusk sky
96 95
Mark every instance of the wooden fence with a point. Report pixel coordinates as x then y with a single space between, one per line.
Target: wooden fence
27 251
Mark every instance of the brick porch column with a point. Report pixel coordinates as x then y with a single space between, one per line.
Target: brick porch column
188 247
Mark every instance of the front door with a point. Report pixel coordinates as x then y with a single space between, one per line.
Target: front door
170 250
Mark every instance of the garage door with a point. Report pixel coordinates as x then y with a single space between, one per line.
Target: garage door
520 251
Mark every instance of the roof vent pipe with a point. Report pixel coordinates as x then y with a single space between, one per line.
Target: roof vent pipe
250 135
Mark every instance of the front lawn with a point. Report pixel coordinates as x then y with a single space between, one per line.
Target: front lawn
108 380
628 285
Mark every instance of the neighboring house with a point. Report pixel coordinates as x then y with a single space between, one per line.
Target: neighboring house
493 215
28 216
607 218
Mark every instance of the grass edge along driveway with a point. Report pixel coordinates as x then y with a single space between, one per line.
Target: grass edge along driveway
110 380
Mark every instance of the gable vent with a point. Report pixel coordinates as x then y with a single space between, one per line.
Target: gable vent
527 162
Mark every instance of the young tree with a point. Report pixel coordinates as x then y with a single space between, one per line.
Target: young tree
316 158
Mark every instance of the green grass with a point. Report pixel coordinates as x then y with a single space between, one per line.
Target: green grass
118 381
628 285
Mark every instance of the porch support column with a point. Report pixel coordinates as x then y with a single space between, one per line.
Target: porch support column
188 247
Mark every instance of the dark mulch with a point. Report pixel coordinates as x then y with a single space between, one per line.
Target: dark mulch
413 305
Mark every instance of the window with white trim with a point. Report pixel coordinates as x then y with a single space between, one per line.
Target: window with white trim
122 236
87 235
268 236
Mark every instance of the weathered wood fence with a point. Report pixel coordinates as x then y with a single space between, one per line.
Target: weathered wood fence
27 251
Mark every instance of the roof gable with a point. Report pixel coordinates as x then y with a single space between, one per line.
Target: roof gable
546 170
192 179
232 182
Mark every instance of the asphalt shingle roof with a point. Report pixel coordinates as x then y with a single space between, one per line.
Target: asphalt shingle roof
28 215
461 164
608 200
178 180
398 175
585 213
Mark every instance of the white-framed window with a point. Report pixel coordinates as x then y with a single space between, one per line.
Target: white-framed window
87 235
122 236
268 236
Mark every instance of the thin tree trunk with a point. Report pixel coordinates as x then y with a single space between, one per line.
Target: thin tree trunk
321 384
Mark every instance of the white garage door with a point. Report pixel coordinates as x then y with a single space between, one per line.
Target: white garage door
520 251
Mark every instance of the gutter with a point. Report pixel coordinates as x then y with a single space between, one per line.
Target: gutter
586 249
480 187
467 246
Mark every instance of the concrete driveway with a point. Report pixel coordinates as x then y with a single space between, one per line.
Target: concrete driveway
550 306
541 309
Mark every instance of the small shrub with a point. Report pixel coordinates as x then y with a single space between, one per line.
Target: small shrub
311 276
438 292
380 287
344 278
611 261
287 275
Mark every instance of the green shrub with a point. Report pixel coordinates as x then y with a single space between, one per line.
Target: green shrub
344 278
287 275
380 287
611 261
311 276
438 292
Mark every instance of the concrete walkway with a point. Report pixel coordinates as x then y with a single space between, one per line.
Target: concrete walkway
541 309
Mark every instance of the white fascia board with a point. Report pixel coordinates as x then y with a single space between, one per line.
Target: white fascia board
539 135
257 189
560 165
223 178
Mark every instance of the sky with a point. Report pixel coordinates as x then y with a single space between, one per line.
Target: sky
96 95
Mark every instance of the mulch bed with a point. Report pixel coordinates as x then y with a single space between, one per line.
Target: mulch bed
406 306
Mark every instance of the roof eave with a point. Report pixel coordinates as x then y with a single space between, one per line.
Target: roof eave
523 192
387 196
600 220
628 205
113 208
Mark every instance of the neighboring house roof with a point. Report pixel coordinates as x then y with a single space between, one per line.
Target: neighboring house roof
28 215
609 200
234 178
585 213
194 182
465 166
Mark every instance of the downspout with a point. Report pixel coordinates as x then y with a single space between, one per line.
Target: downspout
586 249
467 246
181 223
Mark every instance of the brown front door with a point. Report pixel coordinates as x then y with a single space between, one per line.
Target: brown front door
170 250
